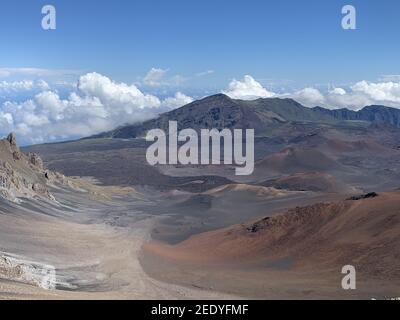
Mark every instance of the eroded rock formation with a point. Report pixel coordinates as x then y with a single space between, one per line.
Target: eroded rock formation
22 175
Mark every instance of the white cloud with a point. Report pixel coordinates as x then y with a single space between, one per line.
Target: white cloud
309 97
157 78
338 91
388 92
12 87
43 85
117 95
154 78
336 98
6 121
177 101
24 85
247 89
357 96
204 73
99 104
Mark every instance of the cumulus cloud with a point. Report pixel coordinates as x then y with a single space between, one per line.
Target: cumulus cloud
333 99
338 91
6 121
116 95
97 105
247 89
384 91
177 101
309 97
357 96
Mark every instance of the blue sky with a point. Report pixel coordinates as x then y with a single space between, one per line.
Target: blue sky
300 41
194 48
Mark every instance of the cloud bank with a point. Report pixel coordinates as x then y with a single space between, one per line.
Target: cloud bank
357 96
98 104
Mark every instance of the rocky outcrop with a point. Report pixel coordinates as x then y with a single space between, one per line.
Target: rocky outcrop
18 269
35 160
363 196
12 139
14 185
22 175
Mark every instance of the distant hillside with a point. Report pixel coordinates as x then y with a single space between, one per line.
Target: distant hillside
374 114
219 111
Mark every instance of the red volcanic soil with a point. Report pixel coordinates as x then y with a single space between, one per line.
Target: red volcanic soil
364 233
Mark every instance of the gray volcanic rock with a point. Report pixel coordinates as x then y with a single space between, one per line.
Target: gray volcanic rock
12 139
35 160
21 175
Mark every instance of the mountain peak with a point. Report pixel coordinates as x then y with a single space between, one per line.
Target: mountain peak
220 97
220 111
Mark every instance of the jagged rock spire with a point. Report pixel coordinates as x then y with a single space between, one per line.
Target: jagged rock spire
12 139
